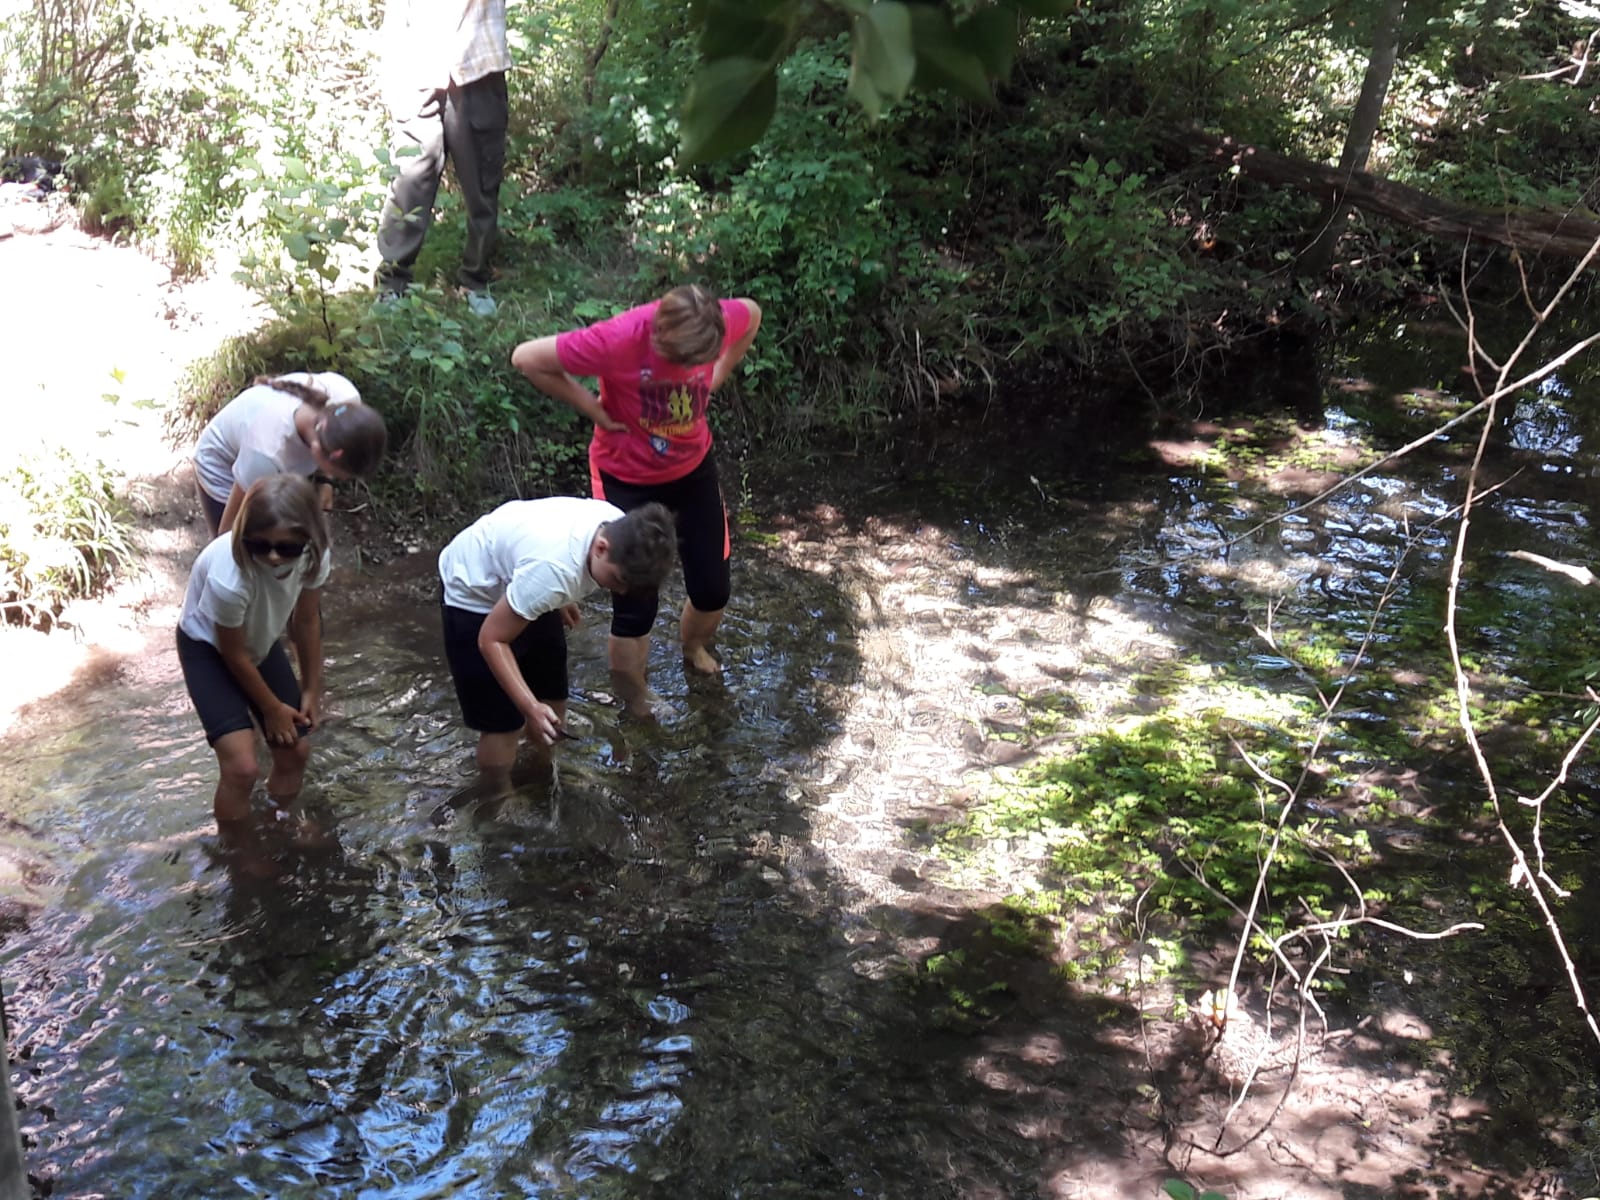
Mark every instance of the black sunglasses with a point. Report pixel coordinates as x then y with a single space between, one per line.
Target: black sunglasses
261 547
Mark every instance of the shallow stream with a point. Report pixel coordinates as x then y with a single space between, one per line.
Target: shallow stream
675 965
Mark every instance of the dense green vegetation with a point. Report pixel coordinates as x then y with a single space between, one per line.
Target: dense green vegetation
943 248
931 214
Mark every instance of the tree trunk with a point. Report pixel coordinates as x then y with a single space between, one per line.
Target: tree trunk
1318 256
592 65
1565 234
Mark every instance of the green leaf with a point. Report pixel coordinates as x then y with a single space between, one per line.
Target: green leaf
943 61
992 36
1044 8
739 29
883 60
729 106
702 12
298 246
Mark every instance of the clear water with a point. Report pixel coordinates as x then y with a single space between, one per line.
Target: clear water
639 975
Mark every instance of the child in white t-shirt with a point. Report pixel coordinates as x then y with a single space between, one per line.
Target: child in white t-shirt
511 583
243 589
299 424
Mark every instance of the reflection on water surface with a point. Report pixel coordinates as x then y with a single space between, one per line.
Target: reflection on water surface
667 967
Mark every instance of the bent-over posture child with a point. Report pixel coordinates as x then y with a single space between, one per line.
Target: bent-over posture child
657 366
299 424
511 583
243 589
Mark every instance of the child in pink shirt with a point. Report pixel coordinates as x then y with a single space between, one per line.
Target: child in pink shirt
657 366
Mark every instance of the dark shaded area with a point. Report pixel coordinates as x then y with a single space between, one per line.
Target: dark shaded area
717 957
1564 234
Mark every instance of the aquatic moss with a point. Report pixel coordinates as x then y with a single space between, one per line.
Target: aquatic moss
1164 805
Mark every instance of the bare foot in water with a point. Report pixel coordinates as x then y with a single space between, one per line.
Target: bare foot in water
701 661
303 832
309 834
240 846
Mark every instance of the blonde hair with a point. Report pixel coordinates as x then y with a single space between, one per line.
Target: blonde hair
282 502
688 327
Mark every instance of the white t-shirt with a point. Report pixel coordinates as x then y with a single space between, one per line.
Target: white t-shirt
535 553
253 598
253 437
434 43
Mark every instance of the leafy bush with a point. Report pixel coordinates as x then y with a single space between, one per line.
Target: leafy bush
817 225
1119 253
462 421
62 533
309 235
156 107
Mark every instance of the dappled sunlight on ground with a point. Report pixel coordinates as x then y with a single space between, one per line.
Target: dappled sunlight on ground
972 657
938 656
101 337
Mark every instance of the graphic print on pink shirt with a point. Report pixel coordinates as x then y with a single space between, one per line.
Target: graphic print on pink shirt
663 404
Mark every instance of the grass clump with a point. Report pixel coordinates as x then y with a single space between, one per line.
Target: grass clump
63 533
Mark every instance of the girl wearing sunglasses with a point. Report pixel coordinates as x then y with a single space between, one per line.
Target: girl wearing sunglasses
243 590
301 424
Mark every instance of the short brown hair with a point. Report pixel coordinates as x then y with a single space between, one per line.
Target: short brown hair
356 433
688 328
643 546
282 502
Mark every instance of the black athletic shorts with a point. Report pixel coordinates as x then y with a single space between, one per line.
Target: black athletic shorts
703 545
219 698
541 654
213 509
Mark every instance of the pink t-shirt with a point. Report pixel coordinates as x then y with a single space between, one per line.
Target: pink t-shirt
663 404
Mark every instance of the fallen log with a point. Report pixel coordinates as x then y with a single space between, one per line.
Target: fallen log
1569 234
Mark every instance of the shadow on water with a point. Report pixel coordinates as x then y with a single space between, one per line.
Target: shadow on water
724 956
631 976
1065 575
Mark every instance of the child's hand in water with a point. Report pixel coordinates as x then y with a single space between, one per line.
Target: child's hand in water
280 725
543 725
570 616
310 714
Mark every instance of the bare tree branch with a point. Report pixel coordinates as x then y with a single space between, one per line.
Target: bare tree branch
1534 879
1580 575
